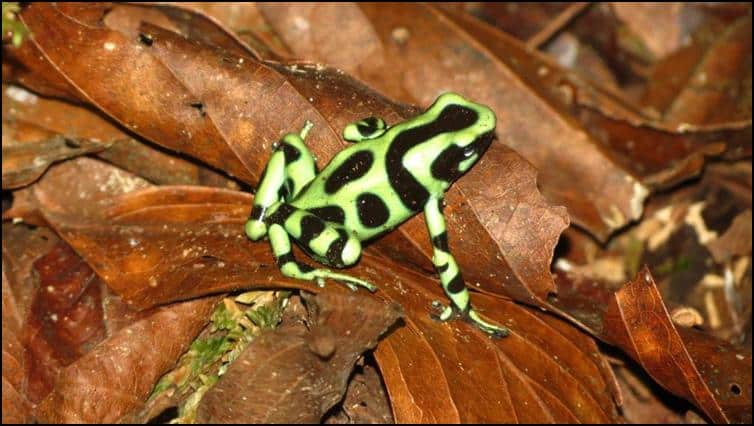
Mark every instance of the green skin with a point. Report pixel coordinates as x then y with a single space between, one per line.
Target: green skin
370 188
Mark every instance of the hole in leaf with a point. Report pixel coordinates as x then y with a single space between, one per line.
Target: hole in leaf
562 248
146 39
200 107
735 389
165 416
7 200
70 143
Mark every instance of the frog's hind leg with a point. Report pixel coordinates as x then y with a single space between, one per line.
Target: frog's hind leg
290 169
450 275
329 243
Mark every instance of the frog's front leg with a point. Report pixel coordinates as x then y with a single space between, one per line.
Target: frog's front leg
290 169
364 129
450 275
330 243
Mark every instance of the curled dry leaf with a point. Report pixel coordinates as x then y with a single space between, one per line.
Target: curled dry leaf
157 246
710 83
285 376
138 95
42 128
638 322
675 239
657 153
34 140
365 400
545 371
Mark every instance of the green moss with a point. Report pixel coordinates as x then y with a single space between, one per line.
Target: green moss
233 326
11 24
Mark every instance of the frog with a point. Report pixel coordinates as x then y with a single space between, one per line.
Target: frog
386 176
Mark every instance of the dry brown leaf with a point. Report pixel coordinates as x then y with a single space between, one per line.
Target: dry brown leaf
66 319
638 322
295 374
188 239
735 241
116 376
365 401
16 406
66 323
715 90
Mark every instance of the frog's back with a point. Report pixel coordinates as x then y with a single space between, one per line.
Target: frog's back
354 191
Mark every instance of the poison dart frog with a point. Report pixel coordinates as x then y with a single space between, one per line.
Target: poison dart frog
369 188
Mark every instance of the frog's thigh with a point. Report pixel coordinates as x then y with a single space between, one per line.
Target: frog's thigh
290 169
330 242
268 193
290 267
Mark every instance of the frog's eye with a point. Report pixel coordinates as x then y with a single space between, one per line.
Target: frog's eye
469 151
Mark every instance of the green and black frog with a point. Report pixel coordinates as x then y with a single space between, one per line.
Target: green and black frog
368 189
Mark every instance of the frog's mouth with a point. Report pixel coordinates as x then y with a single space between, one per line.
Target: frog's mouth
482 142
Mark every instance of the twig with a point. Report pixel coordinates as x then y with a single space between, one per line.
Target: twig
556 24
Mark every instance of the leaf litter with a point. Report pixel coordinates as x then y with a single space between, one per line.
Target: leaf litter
631 150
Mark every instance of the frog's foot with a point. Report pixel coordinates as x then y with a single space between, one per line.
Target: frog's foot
443 313
352 282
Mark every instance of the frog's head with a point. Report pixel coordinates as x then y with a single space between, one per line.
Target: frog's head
455 133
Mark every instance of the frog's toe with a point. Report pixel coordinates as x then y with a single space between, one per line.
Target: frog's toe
351 251
347 280
491 329
440 312
369 286
255 229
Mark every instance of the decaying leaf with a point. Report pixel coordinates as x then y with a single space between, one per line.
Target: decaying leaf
638 322
297 373
16 405
116 376
66 319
